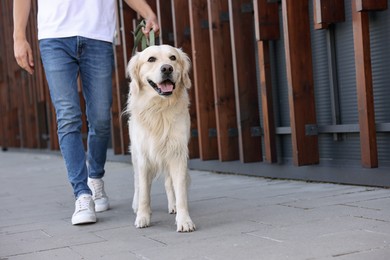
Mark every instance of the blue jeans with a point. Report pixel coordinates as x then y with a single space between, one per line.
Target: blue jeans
64 59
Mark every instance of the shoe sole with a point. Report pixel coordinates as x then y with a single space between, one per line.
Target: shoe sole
84 220
101 208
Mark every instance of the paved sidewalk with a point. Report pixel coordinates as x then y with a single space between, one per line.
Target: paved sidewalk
237 217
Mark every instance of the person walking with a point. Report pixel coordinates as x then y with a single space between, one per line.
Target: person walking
75 39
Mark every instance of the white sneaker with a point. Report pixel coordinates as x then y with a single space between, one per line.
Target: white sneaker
84 210
98 194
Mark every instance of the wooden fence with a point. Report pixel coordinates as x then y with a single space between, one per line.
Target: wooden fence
227 57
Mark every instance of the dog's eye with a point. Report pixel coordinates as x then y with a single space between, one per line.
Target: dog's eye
173 57
152 59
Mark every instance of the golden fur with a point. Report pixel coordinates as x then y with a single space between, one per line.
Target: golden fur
159 127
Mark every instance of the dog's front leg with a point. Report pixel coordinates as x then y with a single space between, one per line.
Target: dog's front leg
170 194
136 191
144 211
180 184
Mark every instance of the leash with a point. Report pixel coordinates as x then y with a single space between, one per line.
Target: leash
140 37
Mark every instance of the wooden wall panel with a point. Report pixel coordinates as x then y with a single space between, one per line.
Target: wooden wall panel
122 53
267 101
222 67
23 103
266 20
202 79
267 29
35 90
300 81
371 5
182 39
39 79
11 126
364 85
28 120
27 116
327 12
164 13
3 86
244 73
3 81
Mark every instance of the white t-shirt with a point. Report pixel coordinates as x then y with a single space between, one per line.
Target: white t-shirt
95 19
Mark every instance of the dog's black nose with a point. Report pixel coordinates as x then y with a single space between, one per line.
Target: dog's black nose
166 69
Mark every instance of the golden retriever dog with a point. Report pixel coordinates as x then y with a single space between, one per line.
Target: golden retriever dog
159 127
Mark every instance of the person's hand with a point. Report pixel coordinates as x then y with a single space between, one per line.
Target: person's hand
151 24
23 55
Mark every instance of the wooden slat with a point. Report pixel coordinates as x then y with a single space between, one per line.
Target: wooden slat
32 137
364 85
266 20
164 13
3 113
266 101
300 81
244 72
266 28
13 103
4 92
182 39
3 82
327 12
222 67
128 16
153 5
2 48
22 96
122 53
40 84
202 79
39 75
116 135
3 142
13 128
24 124
371 5
42 125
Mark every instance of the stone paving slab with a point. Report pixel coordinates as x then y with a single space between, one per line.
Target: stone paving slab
237 217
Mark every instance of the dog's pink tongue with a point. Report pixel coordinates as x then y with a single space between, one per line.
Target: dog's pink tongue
165 86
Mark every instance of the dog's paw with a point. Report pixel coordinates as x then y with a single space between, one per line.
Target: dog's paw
142 221
185 225
172 209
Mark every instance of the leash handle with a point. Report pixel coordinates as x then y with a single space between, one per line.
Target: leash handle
139 37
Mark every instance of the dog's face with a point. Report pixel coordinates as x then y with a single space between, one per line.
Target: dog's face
159 70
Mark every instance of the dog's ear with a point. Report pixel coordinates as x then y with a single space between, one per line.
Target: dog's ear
132 71
186 65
